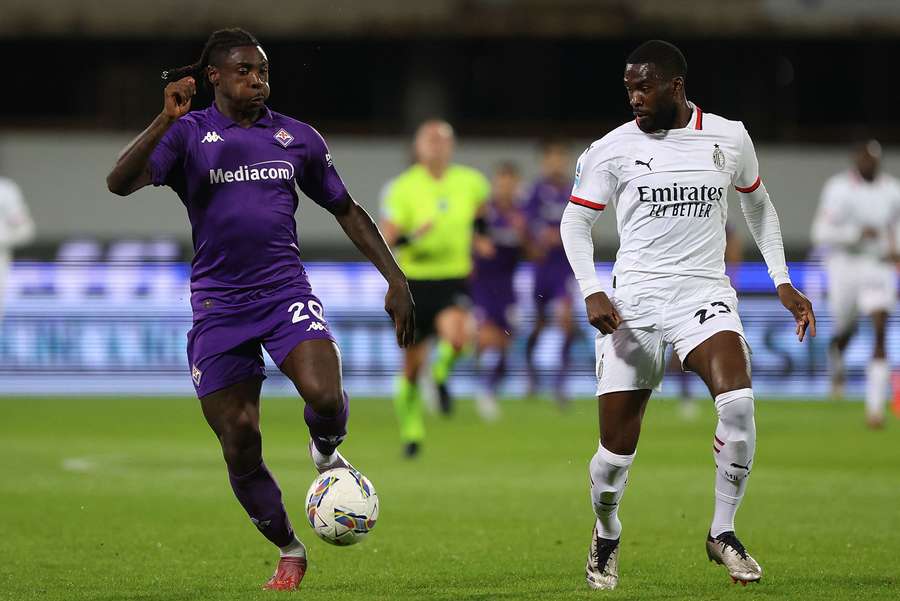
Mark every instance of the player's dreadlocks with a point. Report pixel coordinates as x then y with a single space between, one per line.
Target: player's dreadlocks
667 57
219 42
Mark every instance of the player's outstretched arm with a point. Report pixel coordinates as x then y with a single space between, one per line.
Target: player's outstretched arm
762 219
132 169
575 232
398 301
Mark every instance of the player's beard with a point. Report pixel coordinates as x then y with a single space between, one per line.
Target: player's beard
665 117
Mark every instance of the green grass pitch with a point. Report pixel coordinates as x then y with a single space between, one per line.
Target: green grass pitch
127 498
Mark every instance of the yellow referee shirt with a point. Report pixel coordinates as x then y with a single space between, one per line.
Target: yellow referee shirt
415 198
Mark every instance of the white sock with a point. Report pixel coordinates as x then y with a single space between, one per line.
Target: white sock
319 458
609 475
295 549
836 362
877 379
733 448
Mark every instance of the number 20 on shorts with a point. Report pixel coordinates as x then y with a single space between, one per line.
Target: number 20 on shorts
303 310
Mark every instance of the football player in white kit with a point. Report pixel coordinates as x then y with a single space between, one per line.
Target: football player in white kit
668 173
16 228
857 226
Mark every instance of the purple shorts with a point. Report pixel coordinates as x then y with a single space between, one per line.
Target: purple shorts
551 283
224 346
494 304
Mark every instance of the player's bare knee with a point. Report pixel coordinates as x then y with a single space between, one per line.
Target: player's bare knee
324 398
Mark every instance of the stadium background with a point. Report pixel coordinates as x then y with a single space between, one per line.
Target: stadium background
113 487
98 303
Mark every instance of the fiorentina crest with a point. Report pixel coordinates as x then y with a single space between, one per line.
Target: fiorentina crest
283 137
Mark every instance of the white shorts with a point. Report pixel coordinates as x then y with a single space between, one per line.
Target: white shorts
634 356
859 284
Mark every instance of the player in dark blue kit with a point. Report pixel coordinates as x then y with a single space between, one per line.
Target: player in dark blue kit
236 167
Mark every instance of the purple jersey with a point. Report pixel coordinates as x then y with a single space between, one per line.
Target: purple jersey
239 186
492 277
546 203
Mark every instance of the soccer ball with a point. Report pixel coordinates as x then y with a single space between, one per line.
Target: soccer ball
342 506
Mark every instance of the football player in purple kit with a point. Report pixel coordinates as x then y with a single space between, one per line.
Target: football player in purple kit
236 166
497 255
553 278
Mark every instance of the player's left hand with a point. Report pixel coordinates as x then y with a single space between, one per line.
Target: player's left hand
398 302
800 307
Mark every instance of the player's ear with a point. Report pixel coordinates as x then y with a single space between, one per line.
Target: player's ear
678 85
212 74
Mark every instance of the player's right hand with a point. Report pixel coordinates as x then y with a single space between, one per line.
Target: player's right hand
601 313
177 97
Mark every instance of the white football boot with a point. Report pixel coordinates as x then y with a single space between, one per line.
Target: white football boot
728 551
602 570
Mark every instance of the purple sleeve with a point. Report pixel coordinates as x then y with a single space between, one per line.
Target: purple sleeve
320 180
167 159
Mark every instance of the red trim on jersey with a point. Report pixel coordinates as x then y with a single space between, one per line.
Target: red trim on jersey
715 449
699 122
587 203
718 441
751 187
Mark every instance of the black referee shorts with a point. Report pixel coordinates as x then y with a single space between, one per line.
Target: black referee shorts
432 297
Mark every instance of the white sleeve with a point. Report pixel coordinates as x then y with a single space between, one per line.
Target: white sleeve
575 231
595 178
831 225
762 219
16 226
595 186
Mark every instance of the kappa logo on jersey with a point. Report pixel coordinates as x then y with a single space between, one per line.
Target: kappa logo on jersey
196 374
283 137
718 157
255 172
317 326
328 160
212 136
647 164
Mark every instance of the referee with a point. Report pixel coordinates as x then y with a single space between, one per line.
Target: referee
431 213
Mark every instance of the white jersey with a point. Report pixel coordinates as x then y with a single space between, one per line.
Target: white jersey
670 191
850 205
16 227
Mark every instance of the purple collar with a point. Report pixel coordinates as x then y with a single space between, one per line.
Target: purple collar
224 122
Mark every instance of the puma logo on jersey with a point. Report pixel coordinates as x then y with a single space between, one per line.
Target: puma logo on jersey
212 136
316 326
647 164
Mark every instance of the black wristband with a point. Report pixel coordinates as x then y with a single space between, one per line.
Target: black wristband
480 225
402 240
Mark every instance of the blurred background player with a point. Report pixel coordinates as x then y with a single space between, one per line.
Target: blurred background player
431 212
496 257
856 225
16 228
553 278
248 287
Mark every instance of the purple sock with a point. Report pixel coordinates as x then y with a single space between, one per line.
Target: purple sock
260 496
327 431
564 356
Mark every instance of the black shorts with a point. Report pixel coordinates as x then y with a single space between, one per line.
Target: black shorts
432 297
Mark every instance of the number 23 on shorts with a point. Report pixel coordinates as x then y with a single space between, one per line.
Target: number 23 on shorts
716 308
